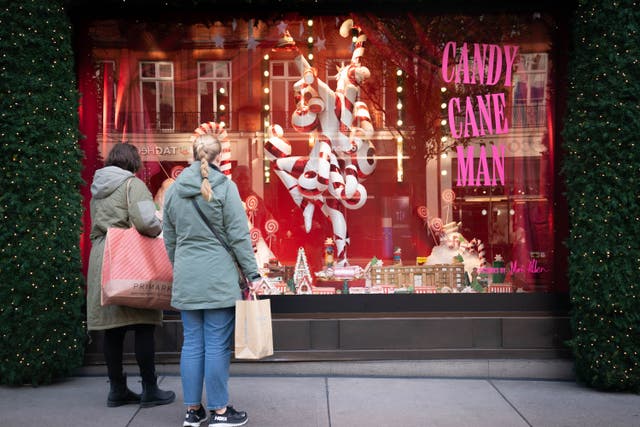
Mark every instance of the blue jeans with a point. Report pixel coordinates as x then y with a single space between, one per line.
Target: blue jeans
206 355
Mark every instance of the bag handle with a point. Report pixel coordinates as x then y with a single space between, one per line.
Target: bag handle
126 197
243 277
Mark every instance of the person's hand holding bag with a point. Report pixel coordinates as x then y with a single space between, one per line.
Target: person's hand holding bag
254 285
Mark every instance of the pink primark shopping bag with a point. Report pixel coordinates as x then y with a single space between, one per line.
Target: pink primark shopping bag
136 271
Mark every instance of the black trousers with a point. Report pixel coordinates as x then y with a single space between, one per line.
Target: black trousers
144 350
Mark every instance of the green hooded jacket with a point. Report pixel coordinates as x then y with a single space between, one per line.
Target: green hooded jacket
204 273
112 207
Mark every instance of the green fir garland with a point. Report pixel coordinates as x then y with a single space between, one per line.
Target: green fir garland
42 331
601 134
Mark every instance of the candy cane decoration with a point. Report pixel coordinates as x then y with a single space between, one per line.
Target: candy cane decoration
218 131
481 253
276 146
339 224
271 227
476 246
330 178
364 159
362 120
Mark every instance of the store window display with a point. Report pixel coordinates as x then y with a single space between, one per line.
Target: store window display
431 143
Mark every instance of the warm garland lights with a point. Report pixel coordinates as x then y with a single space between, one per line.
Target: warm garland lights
603 193
42 332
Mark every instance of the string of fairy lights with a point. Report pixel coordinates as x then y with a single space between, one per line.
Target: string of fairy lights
266 91
400 124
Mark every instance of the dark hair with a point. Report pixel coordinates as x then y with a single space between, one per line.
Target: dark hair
124 156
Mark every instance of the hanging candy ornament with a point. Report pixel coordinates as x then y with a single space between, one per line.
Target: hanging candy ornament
252 207
271 227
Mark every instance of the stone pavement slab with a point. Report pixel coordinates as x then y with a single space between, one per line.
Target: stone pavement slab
269 401
560 404
382 402
73 401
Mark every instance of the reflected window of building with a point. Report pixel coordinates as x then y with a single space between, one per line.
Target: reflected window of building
156 95
281 98
214 92
106 82
529 91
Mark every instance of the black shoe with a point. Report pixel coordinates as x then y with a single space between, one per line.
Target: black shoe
119 393
153 396
194 417
230 418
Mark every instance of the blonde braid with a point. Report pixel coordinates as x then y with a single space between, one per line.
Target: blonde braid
206 148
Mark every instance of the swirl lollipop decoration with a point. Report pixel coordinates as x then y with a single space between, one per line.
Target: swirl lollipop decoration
271 227
255 235
252 207
435 227
176 170
448 196
423 213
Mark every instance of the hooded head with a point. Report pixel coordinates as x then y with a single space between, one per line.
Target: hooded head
124 156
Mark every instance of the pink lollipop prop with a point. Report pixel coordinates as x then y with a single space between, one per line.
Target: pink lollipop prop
436 225
271 227
252 207
255 235
423 213
448 196
176 170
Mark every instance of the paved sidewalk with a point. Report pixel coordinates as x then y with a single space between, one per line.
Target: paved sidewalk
336 401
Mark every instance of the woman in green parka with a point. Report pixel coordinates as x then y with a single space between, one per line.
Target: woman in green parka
120 199
205 278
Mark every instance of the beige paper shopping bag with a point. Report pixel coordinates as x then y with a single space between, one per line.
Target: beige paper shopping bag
253 334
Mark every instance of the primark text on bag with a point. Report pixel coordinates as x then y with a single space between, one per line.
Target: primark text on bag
136 271
253 332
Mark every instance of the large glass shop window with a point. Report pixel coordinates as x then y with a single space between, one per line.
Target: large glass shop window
396 154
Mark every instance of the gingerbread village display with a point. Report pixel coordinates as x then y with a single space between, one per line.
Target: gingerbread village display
455 266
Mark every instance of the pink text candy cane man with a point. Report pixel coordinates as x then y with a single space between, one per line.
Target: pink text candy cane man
339 126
